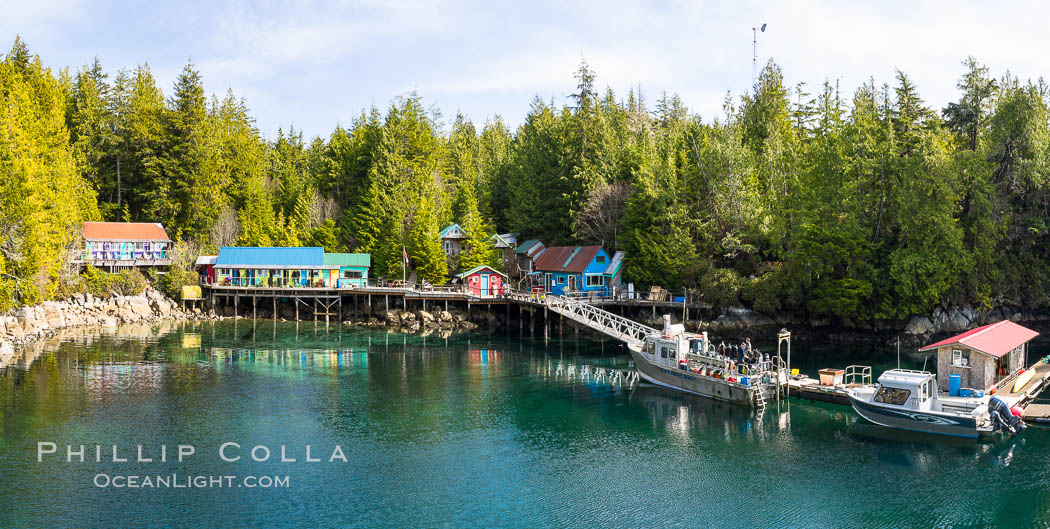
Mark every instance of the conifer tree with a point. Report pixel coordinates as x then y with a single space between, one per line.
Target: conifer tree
479 249
428 258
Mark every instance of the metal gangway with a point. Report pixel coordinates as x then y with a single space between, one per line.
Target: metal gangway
603 321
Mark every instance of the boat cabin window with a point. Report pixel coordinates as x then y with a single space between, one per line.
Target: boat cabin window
896 396
663 352
961 357
650 348
924 392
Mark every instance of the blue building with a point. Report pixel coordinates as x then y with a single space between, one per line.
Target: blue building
578 270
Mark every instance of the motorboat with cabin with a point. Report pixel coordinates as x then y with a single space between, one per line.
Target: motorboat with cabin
689 362
907 399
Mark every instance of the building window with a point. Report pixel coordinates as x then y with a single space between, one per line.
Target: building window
961 357
561 280
600 259
895 396
595 280
352 274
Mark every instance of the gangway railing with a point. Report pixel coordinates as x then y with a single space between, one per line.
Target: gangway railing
600 320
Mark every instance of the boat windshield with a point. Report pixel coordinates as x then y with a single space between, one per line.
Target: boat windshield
895 396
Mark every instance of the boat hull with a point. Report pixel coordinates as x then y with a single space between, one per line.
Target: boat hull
680 380
916 421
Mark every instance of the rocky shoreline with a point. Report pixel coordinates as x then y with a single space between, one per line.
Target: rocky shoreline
918 329
420 321
23 326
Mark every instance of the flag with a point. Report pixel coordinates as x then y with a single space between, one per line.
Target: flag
405 254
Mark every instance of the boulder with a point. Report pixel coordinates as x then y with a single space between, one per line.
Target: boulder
919 325
425 316
407 316
444 316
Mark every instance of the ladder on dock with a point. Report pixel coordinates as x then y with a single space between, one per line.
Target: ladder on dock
603 321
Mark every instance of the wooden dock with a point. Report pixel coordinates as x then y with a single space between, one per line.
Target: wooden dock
811 389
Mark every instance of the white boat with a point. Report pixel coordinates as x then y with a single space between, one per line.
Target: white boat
689 362
908 400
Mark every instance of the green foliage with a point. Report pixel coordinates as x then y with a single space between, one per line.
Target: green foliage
860 208
102 284
720 287
425 247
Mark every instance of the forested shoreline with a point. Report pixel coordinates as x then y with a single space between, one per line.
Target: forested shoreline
857 208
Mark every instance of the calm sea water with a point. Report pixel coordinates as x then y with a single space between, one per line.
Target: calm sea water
475 431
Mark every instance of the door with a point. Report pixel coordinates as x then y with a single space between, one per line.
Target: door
572 283
484 284
549 282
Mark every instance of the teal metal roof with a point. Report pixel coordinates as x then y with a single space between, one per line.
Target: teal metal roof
477 269
448 229
524 247
360 260
263 257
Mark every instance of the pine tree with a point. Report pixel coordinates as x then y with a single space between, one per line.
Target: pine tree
428 258
479 249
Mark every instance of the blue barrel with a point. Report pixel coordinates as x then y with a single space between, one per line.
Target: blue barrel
954 383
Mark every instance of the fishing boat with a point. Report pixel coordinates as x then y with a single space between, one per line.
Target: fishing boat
907 399
691 363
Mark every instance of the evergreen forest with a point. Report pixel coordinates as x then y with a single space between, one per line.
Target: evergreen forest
850 207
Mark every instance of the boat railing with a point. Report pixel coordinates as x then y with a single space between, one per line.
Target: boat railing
855 373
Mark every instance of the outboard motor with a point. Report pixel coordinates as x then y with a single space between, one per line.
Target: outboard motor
1003 417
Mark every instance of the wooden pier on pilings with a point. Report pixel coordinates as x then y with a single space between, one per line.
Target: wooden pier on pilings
336 303
530 312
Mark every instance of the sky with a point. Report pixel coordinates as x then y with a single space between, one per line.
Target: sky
314 65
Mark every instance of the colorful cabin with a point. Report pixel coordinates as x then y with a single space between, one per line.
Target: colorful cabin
526 254
569 270
121 245
484 281
206 268
274 267
505 243
984 356
452 238
353 268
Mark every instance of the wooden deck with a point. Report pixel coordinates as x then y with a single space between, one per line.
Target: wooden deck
811 389
1024 396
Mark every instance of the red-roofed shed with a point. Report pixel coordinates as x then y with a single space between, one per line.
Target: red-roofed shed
982 356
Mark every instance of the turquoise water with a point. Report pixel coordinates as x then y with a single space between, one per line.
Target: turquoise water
477 430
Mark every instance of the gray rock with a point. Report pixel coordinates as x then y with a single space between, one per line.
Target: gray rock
425 316
445 315
919 325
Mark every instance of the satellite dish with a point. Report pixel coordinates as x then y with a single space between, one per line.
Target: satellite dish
763 28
